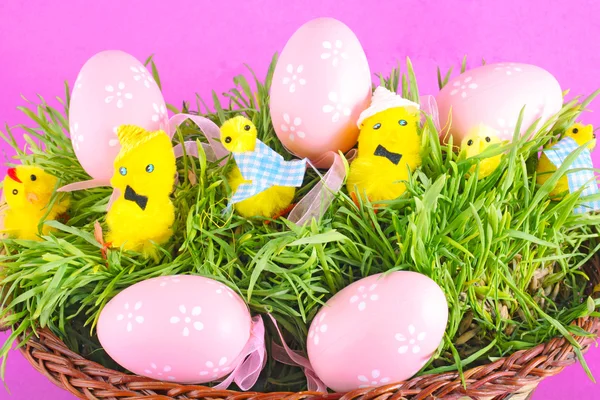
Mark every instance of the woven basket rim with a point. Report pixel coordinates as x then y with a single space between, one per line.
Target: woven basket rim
519 372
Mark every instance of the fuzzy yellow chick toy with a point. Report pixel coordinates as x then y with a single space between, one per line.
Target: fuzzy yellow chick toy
144 175
476 142
28 190
389 145
239 136
581 134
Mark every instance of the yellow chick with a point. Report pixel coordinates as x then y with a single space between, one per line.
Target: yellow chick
582 134
475 143
28 190
144 175
239 135
389 145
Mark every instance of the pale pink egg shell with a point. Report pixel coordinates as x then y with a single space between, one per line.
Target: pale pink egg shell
186 329
321 84
494 95
379 330
112 89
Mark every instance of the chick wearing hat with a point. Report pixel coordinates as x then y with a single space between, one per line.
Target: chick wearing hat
389 147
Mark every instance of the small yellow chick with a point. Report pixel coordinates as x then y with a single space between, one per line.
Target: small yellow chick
239 135
582 134
28 190
144 174
389 145
475 143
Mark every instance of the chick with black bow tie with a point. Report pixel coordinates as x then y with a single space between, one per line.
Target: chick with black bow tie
389 148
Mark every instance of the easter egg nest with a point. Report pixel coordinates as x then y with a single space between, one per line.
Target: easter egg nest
518 270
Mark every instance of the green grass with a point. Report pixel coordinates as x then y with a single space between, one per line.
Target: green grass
508 259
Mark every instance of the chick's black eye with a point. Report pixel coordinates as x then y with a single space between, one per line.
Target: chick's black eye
15 192
149 168
488 139
575 130
247 127
470 142
403 122
33 177
228 139
377 126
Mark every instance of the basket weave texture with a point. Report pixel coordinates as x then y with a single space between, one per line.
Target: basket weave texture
513 377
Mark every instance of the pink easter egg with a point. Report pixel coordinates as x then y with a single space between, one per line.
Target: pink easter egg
112 89
379 330
494 94
321 84
184 328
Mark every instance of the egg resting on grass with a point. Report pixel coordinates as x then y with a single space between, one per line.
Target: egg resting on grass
144 172
28 190
389 148
582 134
239 135
477 140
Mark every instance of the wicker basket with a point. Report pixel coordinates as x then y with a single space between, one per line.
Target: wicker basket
514 377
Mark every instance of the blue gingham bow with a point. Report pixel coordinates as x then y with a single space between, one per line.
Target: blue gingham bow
577 179
264 167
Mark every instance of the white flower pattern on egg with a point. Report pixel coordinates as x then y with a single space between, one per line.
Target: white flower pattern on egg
131 316
142 74
463 86
215 368
373 380
117 93
411 341
291 126
294 77
336 108
154 370
168 279
187 320
363 295
224 289
75 138
114 141
334 51
160 114
506 128
508 68
318 328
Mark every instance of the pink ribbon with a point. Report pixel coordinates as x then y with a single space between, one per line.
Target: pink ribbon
316 202
429 107
92 183
287 356
251 360
214 149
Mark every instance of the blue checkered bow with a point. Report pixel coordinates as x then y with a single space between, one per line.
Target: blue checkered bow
577 179
264 167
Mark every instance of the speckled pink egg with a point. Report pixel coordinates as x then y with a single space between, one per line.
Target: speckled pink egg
321 84
494 94
379 330
186 329
113 88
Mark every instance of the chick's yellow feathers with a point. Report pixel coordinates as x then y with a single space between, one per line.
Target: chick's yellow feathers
389 148
144 175
239 135
583 135
477 140
28 192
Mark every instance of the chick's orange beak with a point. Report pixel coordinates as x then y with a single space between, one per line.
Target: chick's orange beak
12 173
32 197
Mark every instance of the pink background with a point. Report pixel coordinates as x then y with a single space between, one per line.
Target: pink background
202 45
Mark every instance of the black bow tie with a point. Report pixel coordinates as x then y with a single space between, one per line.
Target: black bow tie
140 200
383 152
